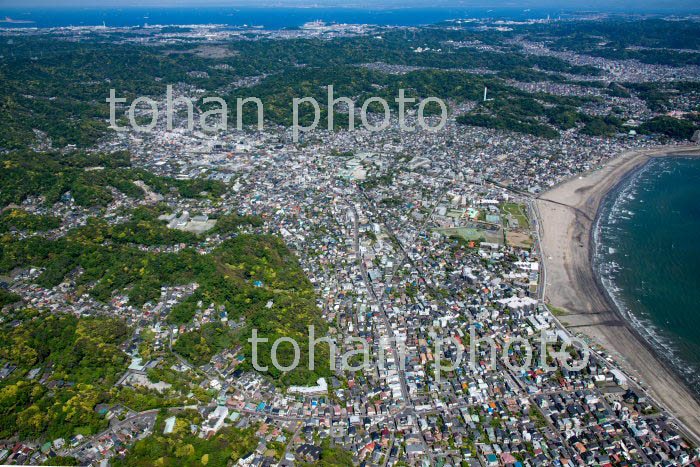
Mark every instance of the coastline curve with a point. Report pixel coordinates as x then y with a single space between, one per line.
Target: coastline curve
567 216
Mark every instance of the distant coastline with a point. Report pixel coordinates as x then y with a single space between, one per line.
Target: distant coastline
271 17
569 214
16 21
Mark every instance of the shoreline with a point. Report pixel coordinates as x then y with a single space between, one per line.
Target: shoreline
568 214
615 191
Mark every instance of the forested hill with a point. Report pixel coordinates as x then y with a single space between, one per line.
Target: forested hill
88 176
43 100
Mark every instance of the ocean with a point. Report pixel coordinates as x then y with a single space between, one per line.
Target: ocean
647 253
269 18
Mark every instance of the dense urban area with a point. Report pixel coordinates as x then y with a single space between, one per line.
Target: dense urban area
136 264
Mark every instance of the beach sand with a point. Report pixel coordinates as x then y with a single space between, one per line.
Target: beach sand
567 213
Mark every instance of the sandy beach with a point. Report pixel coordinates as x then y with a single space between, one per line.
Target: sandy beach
567 214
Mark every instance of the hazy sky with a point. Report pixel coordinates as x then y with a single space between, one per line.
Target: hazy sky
633 5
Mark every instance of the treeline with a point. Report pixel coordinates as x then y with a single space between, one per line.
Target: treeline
82 355
672 127
233 222
657 95
8 298
87 177
277 91
397 48
105 269
59 87
21 220
181 447
76 362
255 278
240 277
199 346
618 34
529 116
506 122
331 456
655 56
524 115
41 90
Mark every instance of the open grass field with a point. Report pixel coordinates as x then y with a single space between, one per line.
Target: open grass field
517 211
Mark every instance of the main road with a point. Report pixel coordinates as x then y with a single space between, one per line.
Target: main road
409 408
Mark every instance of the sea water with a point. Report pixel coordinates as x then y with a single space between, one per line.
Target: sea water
267 17
647 254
